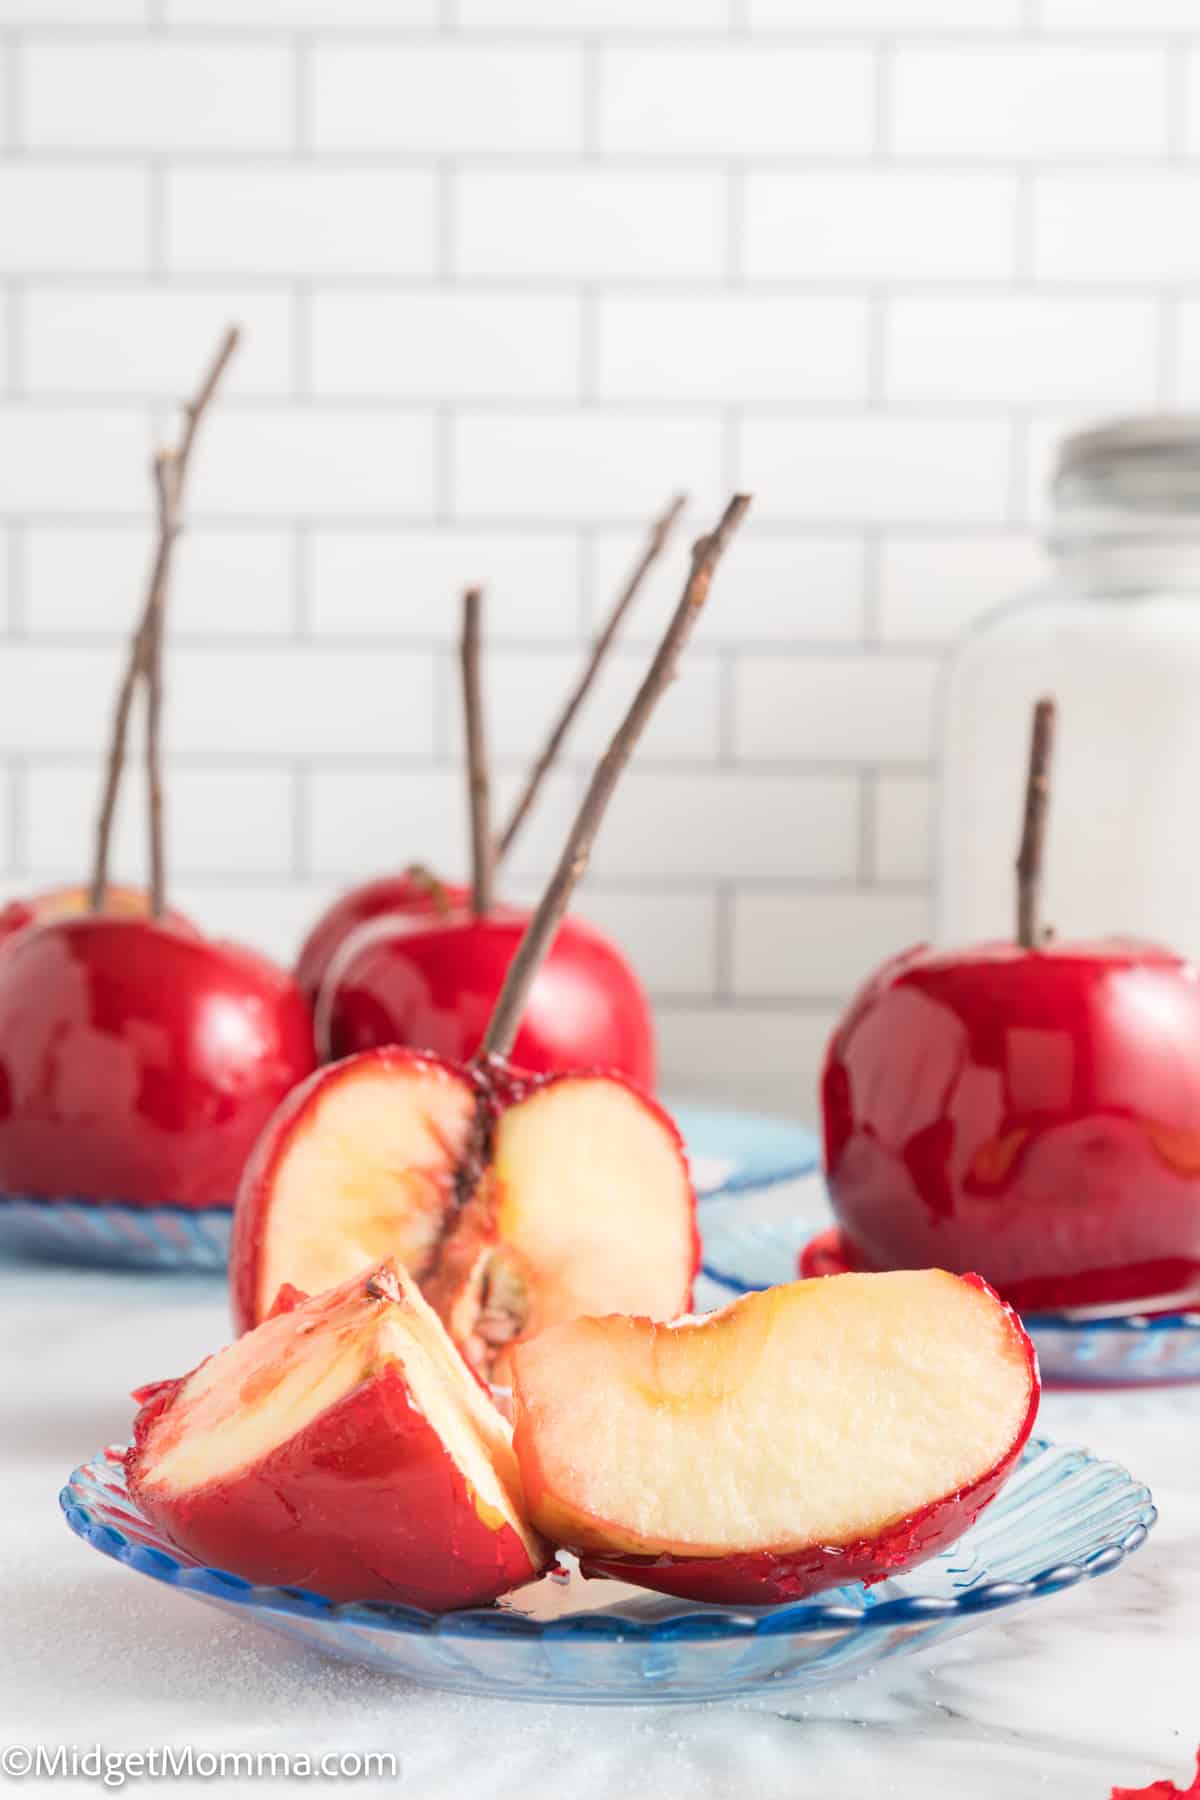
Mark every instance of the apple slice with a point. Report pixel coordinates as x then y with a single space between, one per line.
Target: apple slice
808 1436
341 1447
515 1204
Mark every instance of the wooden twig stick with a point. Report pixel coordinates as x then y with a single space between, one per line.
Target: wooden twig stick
543 926
166 484
138 658
483 851
1033 830
656 542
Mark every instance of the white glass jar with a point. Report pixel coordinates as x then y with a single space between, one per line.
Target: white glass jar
1115 638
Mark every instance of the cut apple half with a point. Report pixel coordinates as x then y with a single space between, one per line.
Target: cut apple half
341 1447
515 1204
587 1206
808 1436
359 1163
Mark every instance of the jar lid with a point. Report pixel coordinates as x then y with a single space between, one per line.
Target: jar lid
1150 461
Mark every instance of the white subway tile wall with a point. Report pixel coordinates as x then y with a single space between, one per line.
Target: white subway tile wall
511 273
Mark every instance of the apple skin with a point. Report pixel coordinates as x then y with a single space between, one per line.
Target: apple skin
33 909
1033 1114
497 1085
775 1578
347 1508
252 1209
414 891
139 1060
434 984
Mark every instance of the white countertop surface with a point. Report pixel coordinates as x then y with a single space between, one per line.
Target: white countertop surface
1097 1686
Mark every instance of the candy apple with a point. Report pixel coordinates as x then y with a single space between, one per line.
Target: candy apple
515 1203
1033 1113
805 1437
415 894
434 983
65 902
1027 1109
140 1060
341 1447
414 891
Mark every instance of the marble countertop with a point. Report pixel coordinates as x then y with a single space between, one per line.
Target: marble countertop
1097 1686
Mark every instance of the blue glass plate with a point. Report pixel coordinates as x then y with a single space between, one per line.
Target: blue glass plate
112 1234
730 1152
1064 1518
742 1252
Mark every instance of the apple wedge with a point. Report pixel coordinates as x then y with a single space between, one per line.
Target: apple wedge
515 1204
341 1447
807 1436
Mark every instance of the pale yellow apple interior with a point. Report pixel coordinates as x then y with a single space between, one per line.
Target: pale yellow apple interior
593 1193
232 1412
365 1176
810 1414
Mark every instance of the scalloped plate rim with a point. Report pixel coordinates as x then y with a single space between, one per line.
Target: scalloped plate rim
707 1622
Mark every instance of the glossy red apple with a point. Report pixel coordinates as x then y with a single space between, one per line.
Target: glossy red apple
516 1203
1030 1113
341 1447
139 1061
411 892
433 984
68 902
805 1437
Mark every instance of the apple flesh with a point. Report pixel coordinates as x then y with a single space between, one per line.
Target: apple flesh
343 1448
515 1203
139 1061
433 984
1032 1114
360 1162
414 891
805 1437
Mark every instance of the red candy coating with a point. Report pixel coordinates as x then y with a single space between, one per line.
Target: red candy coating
139 1061
1031 1114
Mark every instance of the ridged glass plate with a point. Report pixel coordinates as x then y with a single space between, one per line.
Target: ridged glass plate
742 1252
730 1152
114 1234
1064 1518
